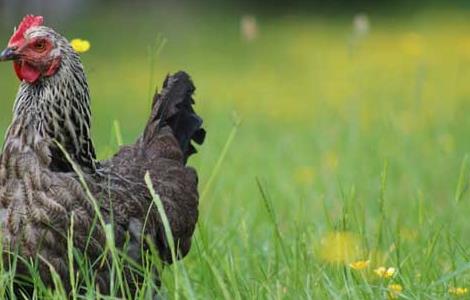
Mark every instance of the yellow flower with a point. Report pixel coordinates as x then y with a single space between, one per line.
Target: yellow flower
80 45
413 44
360 265
394 290
458 291
384 272
304 175
340 247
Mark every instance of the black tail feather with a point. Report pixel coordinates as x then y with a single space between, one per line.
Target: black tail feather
173 107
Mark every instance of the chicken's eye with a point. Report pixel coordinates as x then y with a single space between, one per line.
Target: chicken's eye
40 45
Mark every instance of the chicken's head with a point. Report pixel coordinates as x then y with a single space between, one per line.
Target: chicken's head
36 50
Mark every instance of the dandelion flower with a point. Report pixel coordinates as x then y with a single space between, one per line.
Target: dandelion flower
80 46
458 291
394 290
340 247
360 265
384 272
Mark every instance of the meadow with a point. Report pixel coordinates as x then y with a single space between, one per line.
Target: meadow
328 156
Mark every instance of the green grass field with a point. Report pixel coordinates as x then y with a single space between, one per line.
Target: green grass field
322 150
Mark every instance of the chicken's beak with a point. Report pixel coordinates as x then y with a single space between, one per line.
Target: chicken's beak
9 54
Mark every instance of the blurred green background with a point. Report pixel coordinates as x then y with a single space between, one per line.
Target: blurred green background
327 94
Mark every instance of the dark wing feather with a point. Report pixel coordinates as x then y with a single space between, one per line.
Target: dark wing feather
173 107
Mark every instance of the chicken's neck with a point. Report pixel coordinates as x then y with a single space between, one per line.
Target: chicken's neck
56 109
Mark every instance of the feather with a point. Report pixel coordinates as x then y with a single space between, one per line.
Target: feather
173 108
45 188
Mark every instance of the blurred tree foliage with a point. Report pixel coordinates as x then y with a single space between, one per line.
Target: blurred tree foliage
308 6
346 5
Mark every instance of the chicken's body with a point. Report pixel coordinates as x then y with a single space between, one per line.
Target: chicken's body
47 196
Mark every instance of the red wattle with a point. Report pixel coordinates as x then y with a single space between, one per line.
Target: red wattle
26 72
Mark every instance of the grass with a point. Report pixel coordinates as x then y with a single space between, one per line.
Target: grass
338 153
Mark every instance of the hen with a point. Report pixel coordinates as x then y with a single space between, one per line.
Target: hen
53 189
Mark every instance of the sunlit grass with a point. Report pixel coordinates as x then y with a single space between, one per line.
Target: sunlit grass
343 155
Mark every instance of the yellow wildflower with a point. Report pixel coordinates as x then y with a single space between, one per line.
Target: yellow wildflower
394 290
360 265
80 45
413 44
458 291
304 175
340 247
384 272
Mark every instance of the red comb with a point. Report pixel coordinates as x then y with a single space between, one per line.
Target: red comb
28 22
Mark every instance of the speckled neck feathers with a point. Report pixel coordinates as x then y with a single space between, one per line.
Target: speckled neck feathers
56 109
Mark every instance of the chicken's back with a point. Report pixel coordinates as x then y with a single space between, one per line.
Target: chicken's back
37 205
162 151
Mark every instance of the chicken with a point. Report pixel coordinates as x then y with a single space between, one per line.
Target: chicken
52 187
